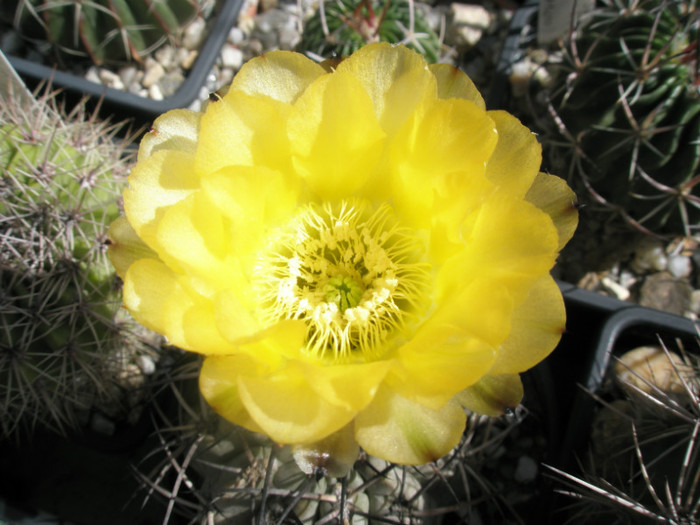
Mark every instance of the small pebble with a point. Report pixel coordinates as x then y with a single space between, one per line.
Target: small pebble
650 256
165 56
111 79
130 75
155 93
231 57
288 38
647 367
619 290
679 265
146 364
526 471
236 36
470 15
170 83
189 58
93 75
154 71
194 34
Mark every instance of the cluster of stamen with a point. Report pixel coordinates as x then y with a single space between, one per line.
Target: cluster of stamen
350 272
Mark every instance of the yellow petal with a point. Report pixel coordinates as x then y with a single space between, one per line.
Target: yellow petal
252 197
516 160
148 285
552 195
492 395
441 146
457 344
335 138
165 303
281 75
189 322
537 325
351 386
125 246
161 180
396 79
454 83
509 241
219 386
288 410
333 456
234 314
463 194
276 344
245 130
175 130
454 356
401 431
192 233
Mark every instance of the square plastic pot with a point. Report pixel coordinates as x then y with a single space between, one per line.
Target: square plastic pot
128 105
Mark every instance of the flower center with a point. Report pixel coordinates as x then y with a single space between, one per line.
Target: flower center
344 292
351 273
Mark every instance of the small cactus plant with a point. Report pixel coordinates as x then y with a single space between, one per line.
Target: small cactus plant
626 107
340 27
103 30
65 345
211 471
643 464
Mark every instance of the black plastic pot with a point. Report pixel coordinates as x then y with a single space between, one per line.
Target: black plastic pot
125 105
598 329
625 328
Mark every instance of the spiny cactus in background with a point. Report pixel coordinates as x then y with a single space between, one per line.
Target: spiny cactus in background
103 30
65 346
208 470
339 27
644 451
626 107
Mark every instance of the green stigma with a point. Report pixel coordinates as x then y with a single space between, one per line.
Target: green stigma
343 291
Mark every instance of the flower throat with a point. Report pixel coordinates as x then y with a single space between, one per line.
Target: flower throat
351 273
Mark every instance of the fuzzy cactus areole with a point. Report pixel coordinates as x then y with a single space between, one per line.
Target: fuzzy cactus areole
361 252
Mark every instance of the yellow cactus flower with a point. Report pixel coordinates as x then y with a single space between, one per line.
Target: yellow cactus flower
361 252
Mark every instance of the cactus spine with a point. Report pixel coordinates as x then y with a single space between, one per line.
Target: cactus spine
644 451
627 112
103 30
338 28
213 472
64 345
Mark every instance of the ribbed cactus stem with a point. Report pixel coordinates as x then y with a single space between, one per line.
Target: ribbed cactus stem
103 30
64 341
340 27
627 106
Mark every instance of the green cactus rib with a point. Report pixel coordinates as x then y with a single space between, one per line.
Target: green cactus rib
628 97
64 340
103 30
346 25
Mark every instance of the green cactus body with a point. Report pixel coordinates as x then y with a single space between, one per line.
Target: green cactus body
629 100
240 475
104 30
340 27
63 338
214 472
